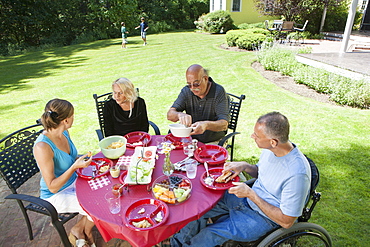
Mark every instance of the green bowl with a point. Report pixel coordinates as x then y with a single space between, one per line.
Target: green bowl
113 153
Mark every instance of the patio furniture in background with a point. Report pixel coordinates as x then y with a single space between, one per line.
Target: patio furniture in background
303 27
17 165
99 103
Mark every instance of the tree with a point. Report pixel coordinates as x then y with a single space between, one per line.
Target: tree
301 10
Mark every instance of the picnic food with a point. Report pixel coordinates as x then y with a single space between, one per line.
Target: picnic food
142 224
174 189
115 145
225 177
103 169
89 154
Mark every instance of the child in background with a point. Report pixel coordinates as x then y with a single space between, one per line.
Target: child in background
124 35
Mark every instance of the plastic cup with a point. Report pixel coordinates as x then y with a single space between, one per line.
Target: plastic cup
114 202
114 171
188 149
160 141
191 169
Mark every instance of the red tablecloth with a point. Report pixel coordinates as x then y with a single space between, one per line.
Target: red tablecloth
112 226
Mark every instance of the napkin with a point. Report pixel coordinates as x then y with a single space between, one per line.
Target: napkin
124 161
99 182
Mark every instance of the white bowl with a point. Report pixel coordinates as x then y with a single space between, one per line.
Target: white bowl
179 130
113 153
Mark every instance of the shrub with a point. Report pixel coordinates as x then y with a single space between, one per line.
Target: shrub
250 40
343 90
160 26
246 39
215 22
252 25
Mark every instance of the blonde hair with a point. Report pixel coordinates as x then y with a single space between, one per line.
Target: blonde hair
127 88
56 110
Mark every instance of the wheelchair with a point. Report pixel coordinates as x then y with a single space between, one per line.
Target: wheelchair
302 233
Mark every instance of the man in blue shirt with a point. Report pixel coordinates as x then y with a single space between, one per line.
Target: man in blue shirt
143 27
277 197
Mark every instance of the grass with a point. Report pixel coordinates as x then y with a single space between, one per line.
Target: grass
336 138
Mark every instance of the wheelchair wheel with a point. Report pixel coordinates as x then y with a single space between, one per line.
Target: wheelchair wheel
299 235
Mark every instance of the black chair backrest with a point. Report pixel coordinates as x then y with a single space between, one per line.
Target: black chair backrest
315 175
17 163
235 103
99 103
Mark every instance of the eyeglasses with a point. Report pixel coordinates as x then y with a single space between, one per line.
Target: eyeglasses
196 83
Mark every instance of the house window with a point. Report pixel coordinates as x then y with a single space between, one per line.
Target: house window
236 6
212 5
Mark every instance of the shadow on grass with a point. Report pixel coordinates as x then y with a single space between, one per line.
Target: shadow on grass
37 64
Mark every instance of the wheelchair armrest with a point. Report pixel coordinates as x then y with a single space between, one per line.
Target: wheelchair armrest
155 127
100 134
227 137
250 182
38 201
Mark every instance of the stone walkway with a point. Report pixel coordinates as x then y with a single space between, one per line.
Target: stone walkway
13 228
354 63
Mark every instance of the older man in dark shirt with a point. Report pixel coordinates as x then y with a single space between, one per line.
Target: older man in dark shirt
202 104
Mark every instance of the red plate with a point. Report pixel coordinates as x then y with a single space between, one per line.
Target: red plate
122 177
176 141
135 137
97 162
216 172
213 154
153 208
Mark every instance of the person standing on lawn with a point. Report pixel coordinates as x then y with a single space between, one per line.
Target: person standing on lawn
124 34
143 27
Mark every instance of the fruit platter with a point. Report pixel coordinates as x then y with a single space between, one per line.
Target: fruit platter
173 189
141 167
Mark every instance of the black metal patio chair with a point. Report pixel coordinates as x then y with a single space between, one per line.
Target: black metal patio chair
17 166
228 141
301 233
99 103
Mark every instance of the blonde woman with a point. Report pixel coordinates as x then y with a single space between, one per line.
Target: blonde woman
125 112
56 157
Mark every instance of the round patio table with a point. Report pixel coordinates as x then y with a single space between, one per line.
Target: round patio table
111 226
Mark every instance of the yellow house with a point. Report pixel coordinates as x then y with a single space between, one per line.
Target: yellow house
242 11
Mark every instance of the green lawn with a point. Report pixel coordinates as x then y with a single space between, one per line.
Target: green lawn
335 137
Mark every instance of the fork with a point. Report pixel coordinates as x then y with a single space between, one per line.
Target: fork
93 172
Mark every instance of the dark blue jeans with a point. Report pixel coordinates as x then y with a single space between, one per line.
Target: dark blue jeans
239 222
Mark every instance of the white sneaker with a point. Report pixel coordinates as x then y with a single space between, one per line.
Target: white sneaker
145 44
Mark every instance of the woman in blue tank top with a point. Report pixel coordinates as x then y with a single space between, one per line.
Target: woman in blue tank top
56 157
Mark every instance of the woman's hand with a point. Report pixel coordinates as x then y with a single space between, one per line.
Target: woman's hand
81 162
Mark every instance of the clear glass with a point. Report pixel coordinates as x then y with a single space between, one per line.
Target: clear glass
114 171
160 143
168 167
114 202
191 169
189 150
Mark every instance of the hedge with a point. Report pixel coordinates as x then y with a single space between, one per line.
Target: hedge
342 90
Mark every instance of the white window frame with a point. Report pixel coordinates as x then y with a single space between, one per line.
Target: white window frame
232 6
